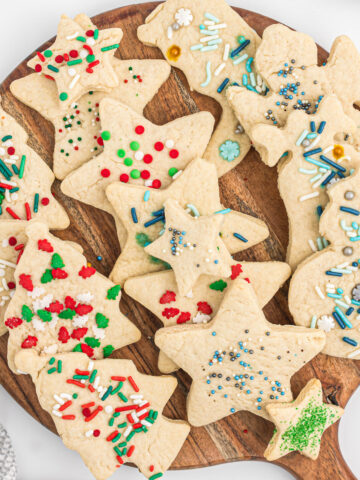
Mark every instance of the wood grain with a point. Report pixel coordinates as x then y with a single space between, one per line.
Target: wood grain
250 188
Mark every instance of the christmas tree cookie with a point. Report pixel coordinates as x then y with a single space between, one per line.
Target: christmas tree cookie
299 425
62 304
287 60
78 128
79 61
25 179
12 242
159 293
318 155
325 289
107 411
141 211
138 152
191 246
239 360
215 49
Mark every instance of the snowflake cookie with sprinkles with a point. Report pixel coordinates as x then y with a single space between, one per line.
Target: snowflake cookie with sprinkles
25 179
141 211
12 242
79 60
78 128
318 155
239 360
300 425
107 411
62 304
215 49
325 289
138 152
158 292
288 62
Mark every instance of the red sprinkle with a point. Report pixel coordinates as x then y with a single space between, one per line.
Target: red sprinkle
119 459
94 413
81 372
93 64
156 183
86 412
131 450
19 247
45 201
151 468
204 307
41 56
79 333
183 317
167 297
88 405
88 350
112 435
139 129
126 409
147 158
55 307
11 285
89 33
105 172
96 433
13 322
11 150
89 49
58 273
124 177
26 282
133 384
12 241
159 146
63 335
75 382
38 68
8 209
145 174
65 406
118 379
87 272
173 153
29 342
70 302
28 211
83 309
235 271
45 246
60 58
68 417
100 141
73 54
170 312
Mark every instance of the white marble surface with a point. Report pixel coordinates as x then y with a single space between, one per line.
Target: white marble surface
24 26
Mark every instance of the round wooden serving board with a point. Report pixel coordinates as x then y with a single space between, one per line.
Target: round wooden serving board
250 188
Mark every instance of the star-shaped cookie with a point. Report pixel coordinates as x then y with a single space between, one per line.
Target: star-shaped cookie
238 361
191 246
25 179
299 425
141 212
61 303
318 156
78 128
79 60
107 411
159 293
215 48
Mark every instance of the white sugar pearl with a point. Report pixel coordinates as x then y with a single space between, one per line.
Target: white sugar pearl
90 41
2 272
83 53
139 155
72 72
169 143
109 409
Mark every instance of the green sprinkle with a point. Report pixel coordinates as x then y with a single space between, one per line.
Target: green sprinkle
130 436
118 451
148 419
101 320
26 313
116 414
22 166
105 135
96 33
75 395
92 342
44 315
52 68
57 261
59 366
80 377
48 53
113 292
107 350
142 239
92 376
74 62
135 173
121 153
63 96
117 438
108 391
52 361
90 58
118 388
134 146
77 348
36 202
122 425
111 421
122 396
172 171
122 444
46 276
218 285
81 39
157 475
110 47
51 370
128 162
6 137
67 314
155 415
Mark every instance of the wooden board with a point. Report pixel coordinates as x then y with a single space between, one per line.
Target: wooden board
250 188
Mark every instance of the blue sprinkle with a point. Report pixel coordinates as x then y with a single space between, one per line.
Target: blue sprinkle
225 210
334 274
312 126
338 319
240 237
99 257
333 164
133 214
239 48
350 341
349 311
154 220
213 334
321 127
312 152
223 85
146 195
350 210
232 410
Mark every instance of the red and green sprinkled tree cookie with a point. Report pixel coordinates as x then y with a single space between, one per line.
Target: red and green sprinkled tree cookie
288 61
79 60
12 242
141 210
138 152
62 304
159 293
215 48
25 179
78 128
107 411
299 425
239 360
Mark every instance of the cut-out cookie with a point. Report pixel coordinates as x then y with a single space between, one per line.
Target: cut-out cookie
325 289
288 62
191 246
214 47
159 293
77 129
315 161
141 212
137 151
61 304
299 425
12 240
25 179
238 361
80 59
107 411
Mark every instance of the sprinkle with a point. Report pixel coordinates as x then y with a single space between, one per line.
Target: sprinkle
312 245
343 317
154 220
211 17
193 209
354 353
74 81
313 322
223 85
208 75
350 210
338 319
12 213
225 210
133 214
312 152
240 59
36 202
133 384
316 162
319 292
219 69
239 48
302 137
333 164
110 47
226 52
198 46
334 274
350 341
308 196
240 237
312 126
321 127
146 195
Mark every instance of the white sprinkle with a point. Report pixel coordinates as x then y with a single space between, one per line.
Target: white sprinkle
308 196
91 366
139 155
226 52
127 431
312 245
215 27
66 395
312 144
169 143
327 149
109 409
136 396
74 81
219 69
90 41
89 433
147 424
56 413
71 37
209 38
319 292
59 399
169 32
72 72
354 353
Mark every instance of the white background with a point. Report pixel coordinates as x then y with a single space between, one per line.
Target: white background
24 26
